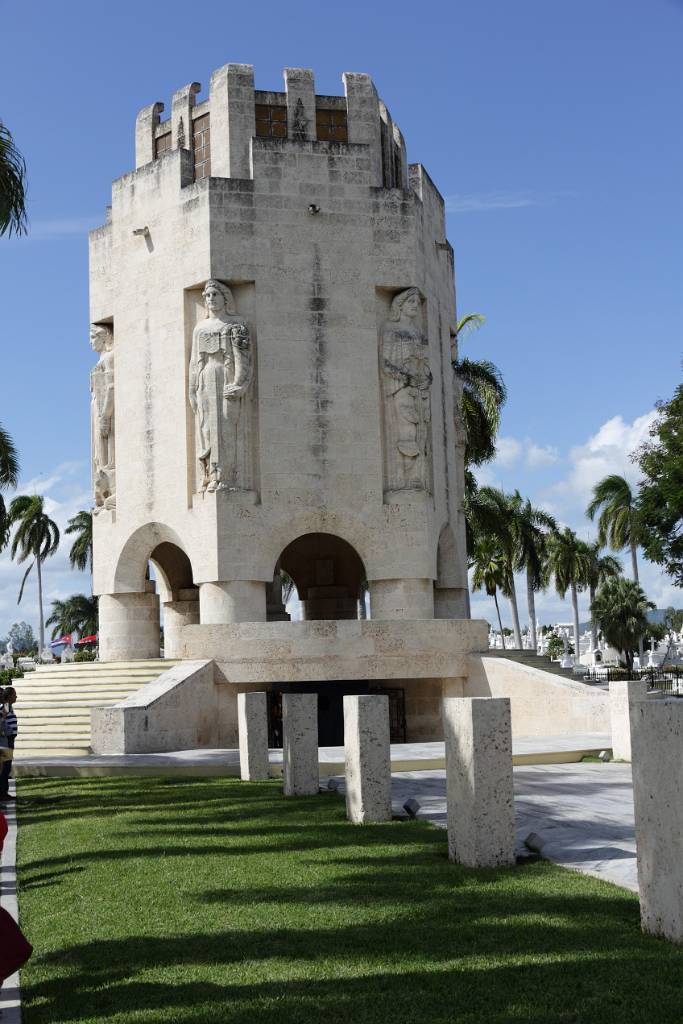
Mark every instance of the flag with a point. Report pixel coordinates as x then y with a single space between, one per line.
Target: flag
62 640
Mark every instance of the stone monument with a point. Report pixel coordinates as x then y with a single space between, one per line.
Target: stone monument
273 306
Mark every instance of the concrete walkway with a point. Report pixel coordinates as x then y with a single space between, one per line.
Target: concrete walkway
582 814
9 993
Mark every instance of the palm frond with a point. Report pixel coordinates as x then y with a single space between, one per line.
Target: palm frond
23 582
13 217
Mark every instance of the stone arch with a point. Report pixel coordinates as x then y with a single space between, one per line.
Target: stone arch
328 572
343 525
160 544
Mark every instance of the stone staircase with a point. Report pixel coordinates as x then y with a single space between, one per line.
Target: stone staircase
536 661
53 703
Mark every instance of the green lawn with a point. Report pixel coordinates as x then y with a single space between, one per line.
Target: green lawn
213 900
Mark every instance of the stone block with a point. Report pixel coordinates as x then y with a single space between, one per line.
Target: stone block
622 694
300 743
480 804
657 743
367 757
252 719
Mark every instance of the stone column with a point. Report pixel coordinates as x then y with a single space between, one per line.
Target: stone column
622 694
233 601
450 603
128 626
368 758
300 744
233 120
402 599
657 741
300 88
252 722
181 116
480 806
362 107
177 614
145 129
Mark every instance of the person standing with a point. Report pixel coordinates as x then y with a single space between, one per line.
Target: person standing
11 729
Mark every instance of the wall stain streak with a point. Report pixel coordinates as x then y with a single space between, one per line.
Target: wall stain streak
317 304
444 419
149 423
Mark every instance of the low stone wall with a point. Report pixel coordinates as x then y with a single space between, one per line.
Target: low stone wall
542 704
178 711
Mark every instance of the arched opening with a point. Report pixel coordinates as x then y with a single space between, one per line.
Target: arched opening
328 574
170 571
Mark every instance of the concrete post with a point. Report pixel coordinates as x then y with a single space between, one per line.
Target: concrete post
252 723
181 116
300 744
622 694
362 106
128 626
233 120
368 758
232 601
145 131
300 89
657 741
479 796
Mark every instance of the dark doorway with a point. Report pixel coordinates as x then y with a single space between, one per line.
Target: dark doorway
328 574
331 710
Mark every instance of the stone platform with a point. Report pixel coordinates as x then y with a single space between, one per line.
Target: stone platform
405 757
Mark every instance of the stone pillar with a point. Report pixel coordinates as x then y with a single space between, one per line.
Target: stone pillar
181 116
233 120
234 601
252 723
450 603
368 758
402 599
128 626
300 88
622 693
657 741
479 797
145 129
300 744
177 614
362 106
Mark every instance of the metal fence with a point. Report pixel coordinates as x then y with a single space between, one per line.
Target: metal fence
668 680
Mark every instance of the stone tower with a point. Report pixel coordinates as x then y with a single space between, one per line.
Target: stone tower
272 301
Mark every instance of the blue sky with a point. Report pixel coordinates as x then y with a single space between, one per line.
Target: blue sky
553 131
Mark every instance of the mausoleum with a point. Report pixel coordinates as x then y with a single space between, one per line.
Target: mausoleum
273 305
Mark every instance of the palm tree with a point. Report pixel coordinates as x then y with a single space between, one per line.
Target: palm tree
599 568
620 608
618 523
9 474
489 573
36 536
483 395
496 519
12 185
80 555
532 526
77 614
568 563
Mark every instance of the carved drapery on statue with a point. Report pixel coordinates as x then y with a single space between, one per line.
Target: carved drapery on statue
221 375
406 390
102 419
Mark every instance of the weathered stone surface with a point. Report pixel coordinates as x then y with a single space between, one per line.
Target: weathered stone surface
367 756
622 694
102 426
656 745
252 717
129 627
300 744
480 803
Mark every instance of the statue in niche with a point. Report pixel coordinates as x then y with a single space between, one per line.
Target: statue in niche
406 388
221 373
102 419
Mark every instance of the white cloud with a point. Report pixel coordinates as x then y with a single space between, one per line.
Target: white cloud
482 202
538 456
508 451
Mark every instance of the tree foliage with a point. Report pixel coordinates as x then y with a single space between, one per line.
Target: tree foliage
80 555
620 609
483 396
21 635
660 501
9 474
76 614
12 185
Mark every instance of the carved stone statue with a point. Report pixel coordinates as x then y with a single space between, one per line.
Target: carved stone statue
102 419
221 373
406 389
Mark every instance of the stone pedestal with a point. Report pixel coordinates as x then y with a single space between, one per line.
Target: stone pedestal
481 818
234 601
657 742
252 722
367 755
622 694
177 614
402 599
128 627
300 743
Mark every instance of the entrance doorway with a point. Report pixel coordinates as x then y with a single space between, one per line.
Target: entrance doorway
331 710
328 574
